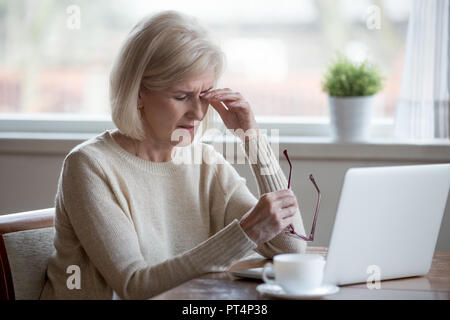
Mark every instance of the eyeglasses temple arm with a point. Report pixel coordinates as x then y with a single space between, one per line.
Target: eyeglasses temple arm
290 167
313 228
311 237
291 227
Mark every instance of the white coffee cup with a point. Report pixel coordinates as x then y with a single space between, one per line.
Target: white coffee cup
296 273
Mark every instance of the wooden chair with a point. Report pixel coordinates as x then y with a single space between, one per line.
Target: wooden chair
26 244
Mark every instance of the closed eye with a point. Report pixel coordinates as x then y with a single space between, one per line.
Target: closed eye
188 94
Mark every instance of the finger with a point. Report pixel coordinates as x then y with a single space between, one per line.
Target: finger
272 198
286 222
281 203
238 104
220 108
223 95
216 91
287 201
232 96
288 212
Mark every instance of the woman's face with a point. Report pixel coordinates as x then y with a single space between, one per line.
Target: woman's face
165 111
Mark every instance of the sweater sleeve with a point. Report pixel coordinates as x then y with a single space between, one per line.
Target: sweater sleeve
109 239
269 176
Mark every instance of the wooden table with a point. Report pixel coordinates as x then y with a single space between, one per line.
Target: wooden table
223 286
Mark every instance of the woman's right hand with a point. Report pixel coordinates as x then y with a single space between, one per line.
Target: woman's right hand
271 215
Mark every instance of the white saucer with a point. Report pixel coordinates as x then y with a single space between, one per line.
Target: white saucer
277 291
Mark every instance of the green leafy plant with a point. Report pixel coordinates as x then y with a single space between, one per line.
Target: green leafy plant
345 78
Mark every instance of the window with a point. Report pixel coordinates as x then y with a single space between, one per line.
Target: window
57 55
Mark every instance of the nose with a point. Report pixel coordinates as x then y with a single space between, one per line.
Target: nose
198 108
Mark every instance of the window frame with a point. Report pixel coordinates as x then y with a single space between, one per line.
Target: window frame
86 124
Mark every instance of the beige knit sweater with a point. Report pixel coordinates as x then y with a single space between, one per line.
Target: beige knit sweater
136 228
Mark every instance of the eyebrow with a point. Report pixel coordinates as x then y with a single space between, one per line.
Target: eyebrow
190 92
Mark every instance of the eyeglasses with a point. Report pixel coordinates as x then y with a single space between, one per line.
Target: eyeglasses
290 229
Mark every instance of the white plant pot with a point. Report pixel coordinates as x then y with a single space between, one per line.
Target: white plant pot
350 118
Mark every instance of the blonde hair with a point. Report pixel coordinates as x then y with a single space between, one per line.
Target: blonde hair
160 51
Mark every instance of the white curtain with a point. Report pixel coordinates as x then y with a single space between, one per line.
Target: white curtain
423 106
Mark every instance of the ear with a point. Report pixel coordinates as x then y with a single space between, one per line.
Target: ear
140 100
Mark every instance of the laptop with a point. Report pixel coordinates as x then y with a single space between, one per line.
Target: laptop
387 221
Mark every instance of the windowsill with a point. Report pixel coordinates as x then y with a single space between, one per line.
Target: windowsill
300 148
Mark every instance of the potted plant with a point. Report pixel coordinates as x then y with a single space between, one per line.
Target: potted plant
351 87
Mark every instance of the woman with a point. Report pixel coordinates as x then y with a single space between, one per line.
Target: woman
130 222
